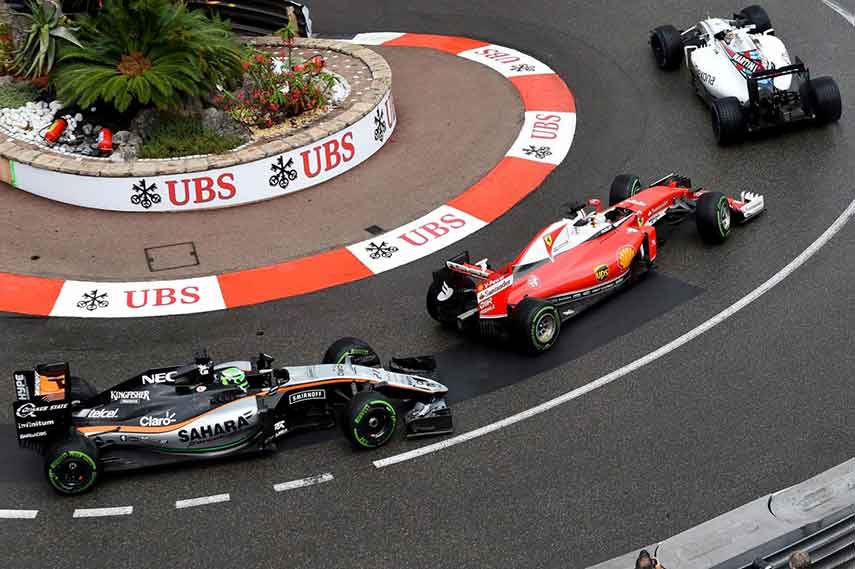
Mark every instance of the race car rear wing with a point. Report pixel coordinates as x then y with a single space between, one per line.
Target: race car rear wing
798 69
461 264
43 407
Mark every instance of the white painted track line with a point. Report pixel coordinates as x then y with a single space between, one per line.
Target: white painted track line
791 267
847 15
18 514
303 482
103 512
203 501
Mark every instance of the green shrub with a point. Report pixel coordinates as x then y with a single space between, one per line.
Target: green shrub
17 94
48 33
176 135
147 52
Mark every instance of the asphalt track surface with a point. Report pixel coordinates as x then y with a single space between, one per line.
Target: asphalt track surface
756 404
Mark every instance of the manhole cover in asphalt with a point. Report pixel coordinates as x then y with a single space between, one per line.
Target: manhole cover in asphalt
175 256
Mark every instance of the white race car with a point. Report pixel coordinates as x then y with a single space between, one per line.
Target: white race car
744 74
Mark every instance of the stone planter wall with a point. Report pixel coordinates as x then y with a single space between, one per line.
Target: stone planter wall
255 172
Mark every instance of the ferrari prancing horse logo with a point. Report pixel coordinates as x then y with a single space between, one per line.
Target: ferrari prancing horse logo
601 272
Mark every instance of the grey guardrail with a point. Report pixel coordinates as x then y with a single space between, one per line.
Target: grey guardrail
758 529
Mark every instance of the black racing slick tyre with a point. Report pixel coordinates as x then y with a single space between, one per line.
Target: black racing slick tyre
624 186
667 45
71 465
535 325
371 420
821 98
757 15
359 352
728 122
713 217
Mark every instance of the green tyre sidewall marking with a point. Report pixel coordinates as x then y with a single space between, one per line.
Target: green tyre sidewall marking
534 341
362 441
72 454
352 352
635 187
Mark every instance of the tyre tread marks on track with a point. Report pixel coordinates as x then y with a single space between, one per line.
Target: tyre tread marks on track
540 146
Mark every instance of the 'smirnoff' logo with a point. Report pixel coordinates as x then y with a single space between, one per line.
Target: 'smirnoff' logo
306 396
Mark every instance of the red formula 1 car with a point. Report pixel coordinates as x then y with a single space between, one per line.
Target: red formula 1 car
574 262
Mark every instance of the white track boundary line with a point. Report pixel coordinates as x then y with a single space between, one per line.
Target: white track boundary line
303 482
103 512
18 514
791 267
203 501
848 16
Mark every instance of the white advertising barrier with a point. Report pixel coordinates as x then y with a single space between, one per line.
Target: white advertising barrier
148 298
224 187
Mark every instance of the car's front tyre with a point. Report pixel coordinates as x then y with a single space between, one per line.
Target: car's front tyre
667 45
757 15
623 187
359 352
371 420
713 217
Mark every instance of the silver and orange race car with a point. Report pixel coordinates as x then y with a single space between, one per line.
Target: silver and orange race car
205 410
576 261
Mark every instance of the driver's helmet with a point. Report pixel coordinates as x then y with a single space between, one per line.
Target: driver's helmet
233 376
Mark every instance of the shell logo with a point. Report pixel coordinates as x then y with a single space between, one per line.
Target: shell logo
625 256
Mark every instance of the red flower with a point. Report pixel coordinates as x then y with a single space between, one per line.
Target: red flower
269 122
246 65
299 68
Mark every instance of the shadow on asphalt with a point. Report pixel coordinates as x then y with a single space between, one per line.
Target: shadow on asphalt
477 367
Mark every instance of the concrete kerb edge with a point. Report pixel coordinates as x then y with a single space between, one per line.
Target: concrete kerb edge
30 154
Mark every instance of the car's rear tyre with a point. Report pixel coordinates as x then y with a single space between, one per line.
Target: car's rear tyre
371 420
447 298
535 325
728 122
624 186
359 352
667 46
821 97
713 217
71 465
757 15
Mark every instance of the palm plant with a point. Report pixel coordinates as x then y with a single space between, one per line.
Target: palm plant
48 26
150 52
